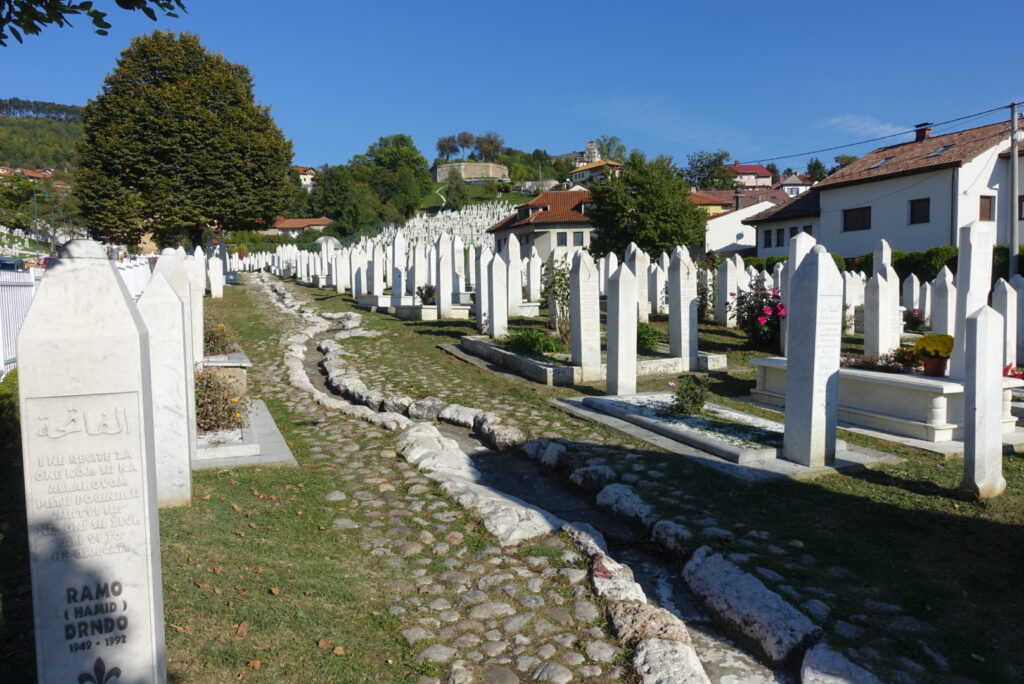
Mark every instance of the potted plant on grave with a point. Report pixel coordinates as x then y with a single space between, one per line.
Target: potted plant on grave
934 351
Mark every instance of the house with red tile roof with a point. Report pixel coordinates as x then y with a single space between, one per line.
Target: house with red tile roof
594 170
296 226
915 195
752 175
794 184
307 176
554 221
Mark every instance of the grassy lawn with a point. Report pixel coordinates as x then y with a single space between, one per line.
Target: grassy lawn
893 533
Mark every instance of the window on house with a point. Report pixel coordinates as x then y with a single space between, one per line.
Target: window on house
780 237
857 219
793 230
1020 207
577 238
562 239
939 152
920 210
808 229
767 240
880 164
987 210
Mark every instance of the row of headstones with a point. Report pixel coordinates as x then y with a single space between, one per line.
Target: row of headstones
107 398
815 337
470 224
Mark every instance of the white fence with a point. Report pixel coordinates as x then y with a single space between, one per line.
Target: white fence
16 291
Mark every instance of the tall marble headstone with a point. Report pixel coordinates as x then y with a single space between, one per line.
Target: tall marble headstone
622 324
799 247
397 268
911 293
585 312
983 406
944 303
444 270
682 308
533 282
881 257
812 374
87 443
638 260
925 301
725 294
197 279
482 300
164 316
1004 301
513 257
216 275
497 299
877 319
973 280
377 269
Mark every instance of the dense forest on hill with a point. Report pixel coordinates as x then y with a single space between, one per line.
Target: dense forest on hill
38 135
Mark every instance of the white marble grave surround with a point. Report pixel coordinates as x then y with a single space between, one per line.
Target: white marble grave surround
162 312
87 427
622 302
812 380
983 405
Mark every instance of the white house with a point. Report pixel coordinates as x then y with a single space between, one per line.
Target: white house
914 195
554 221
727 233
752 175
795 184
598 169
307 176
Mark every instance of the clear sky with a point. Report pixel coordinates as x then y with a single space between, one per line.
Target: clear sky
757 79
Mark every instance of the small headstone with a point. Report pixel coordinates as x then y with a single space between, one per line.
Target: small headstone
877 320
911 293
216 275
638 261
882 256
483 288
514 282
726 291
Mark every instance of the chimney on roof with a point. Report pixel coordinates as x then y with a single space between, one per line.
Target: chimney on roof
738 201
922 131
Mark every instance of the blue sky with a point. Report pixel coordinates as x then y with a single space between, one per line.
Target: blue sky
757 79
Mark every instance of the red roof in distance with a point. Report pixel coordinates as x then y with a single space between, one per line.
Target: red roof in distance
554 206
756 169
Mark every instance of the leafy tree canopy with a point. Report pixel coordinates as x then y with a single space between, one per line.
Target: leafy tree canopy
842 161
649 204
816 169
774 168
611 147
19 18
709 171
488 145
456 195
175 142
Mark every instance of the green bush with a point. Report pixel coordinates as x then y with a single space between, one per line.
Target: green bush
531 341
217 339
647 338
690 395
9 429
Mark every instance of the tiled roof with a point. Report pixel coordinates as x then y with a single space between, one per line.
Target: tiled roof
304 169
804 204
596 165
300 223
920 156
795 179
705 198
749 196
756 169
557 206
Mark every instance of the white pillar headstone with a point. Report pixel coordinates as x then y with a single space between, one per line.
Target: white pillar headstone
812 375
682 308
725 294
638 261
397 268
622 323
533 283
197 279
216 273
877 319
973 278
164 315
1004 301
944 303
925 301
983 405
443 292
585 312
88 450
513 258
497 314
911 293
377 272
482 301
799 247
882 256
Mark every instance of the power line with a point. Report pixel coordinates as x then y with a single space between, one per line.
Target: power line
871 140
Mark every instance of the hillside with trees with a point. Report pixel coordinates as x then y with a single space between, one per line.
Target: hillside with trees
38 135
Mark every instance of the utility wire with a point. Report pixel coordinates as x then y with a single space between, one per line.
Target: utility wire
871 140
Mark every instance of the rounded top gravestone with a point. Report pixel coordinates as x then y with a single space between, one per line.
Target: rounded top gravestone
83 249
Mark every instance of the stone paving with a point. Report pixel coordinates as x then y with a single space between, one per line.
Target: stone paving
518 629
480 612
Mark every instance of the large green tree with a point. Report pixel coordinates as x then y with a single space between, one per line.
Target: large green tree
353 205
611 147
28 17
816 169
396 170
649 204
709 171
175 143
456 195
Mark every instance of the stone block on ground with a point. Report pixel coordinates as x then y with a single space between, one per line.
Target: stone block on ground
456 414
426 409
662 660
593 478
822 665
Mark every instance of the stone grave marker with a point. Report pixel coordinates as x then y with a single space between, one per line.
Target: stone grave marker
216 275
444 271
622 323
725 293
812 375
585 312
1004 301
87 444
944 303
483 288
983 406
497 314
973 278
682 308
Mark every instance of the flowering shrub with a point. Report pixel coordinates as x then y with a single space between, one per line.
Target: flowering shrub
1011 372
913 319
216 407
217 339
906 356
759 313
427 294
934 347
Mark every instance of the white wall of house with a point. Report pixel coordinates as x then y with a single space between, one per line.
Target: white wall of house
779 233
546 239
984 175
726 232
890 214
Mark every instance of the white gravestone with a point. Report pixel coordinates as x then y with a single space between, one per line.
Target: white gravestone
812 375
483 288
682 308
418 276
881 257
197 279
1004 301
611 263
1017 283
458 265
514 282
925 301
656 282
216 274
162 312
895 312
622 324
944 303
397 268
973 278
725 294
533 282
911 293
585 312
638 260
497 299
377 269
877 320
983 406
87 444
443 292
799 247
